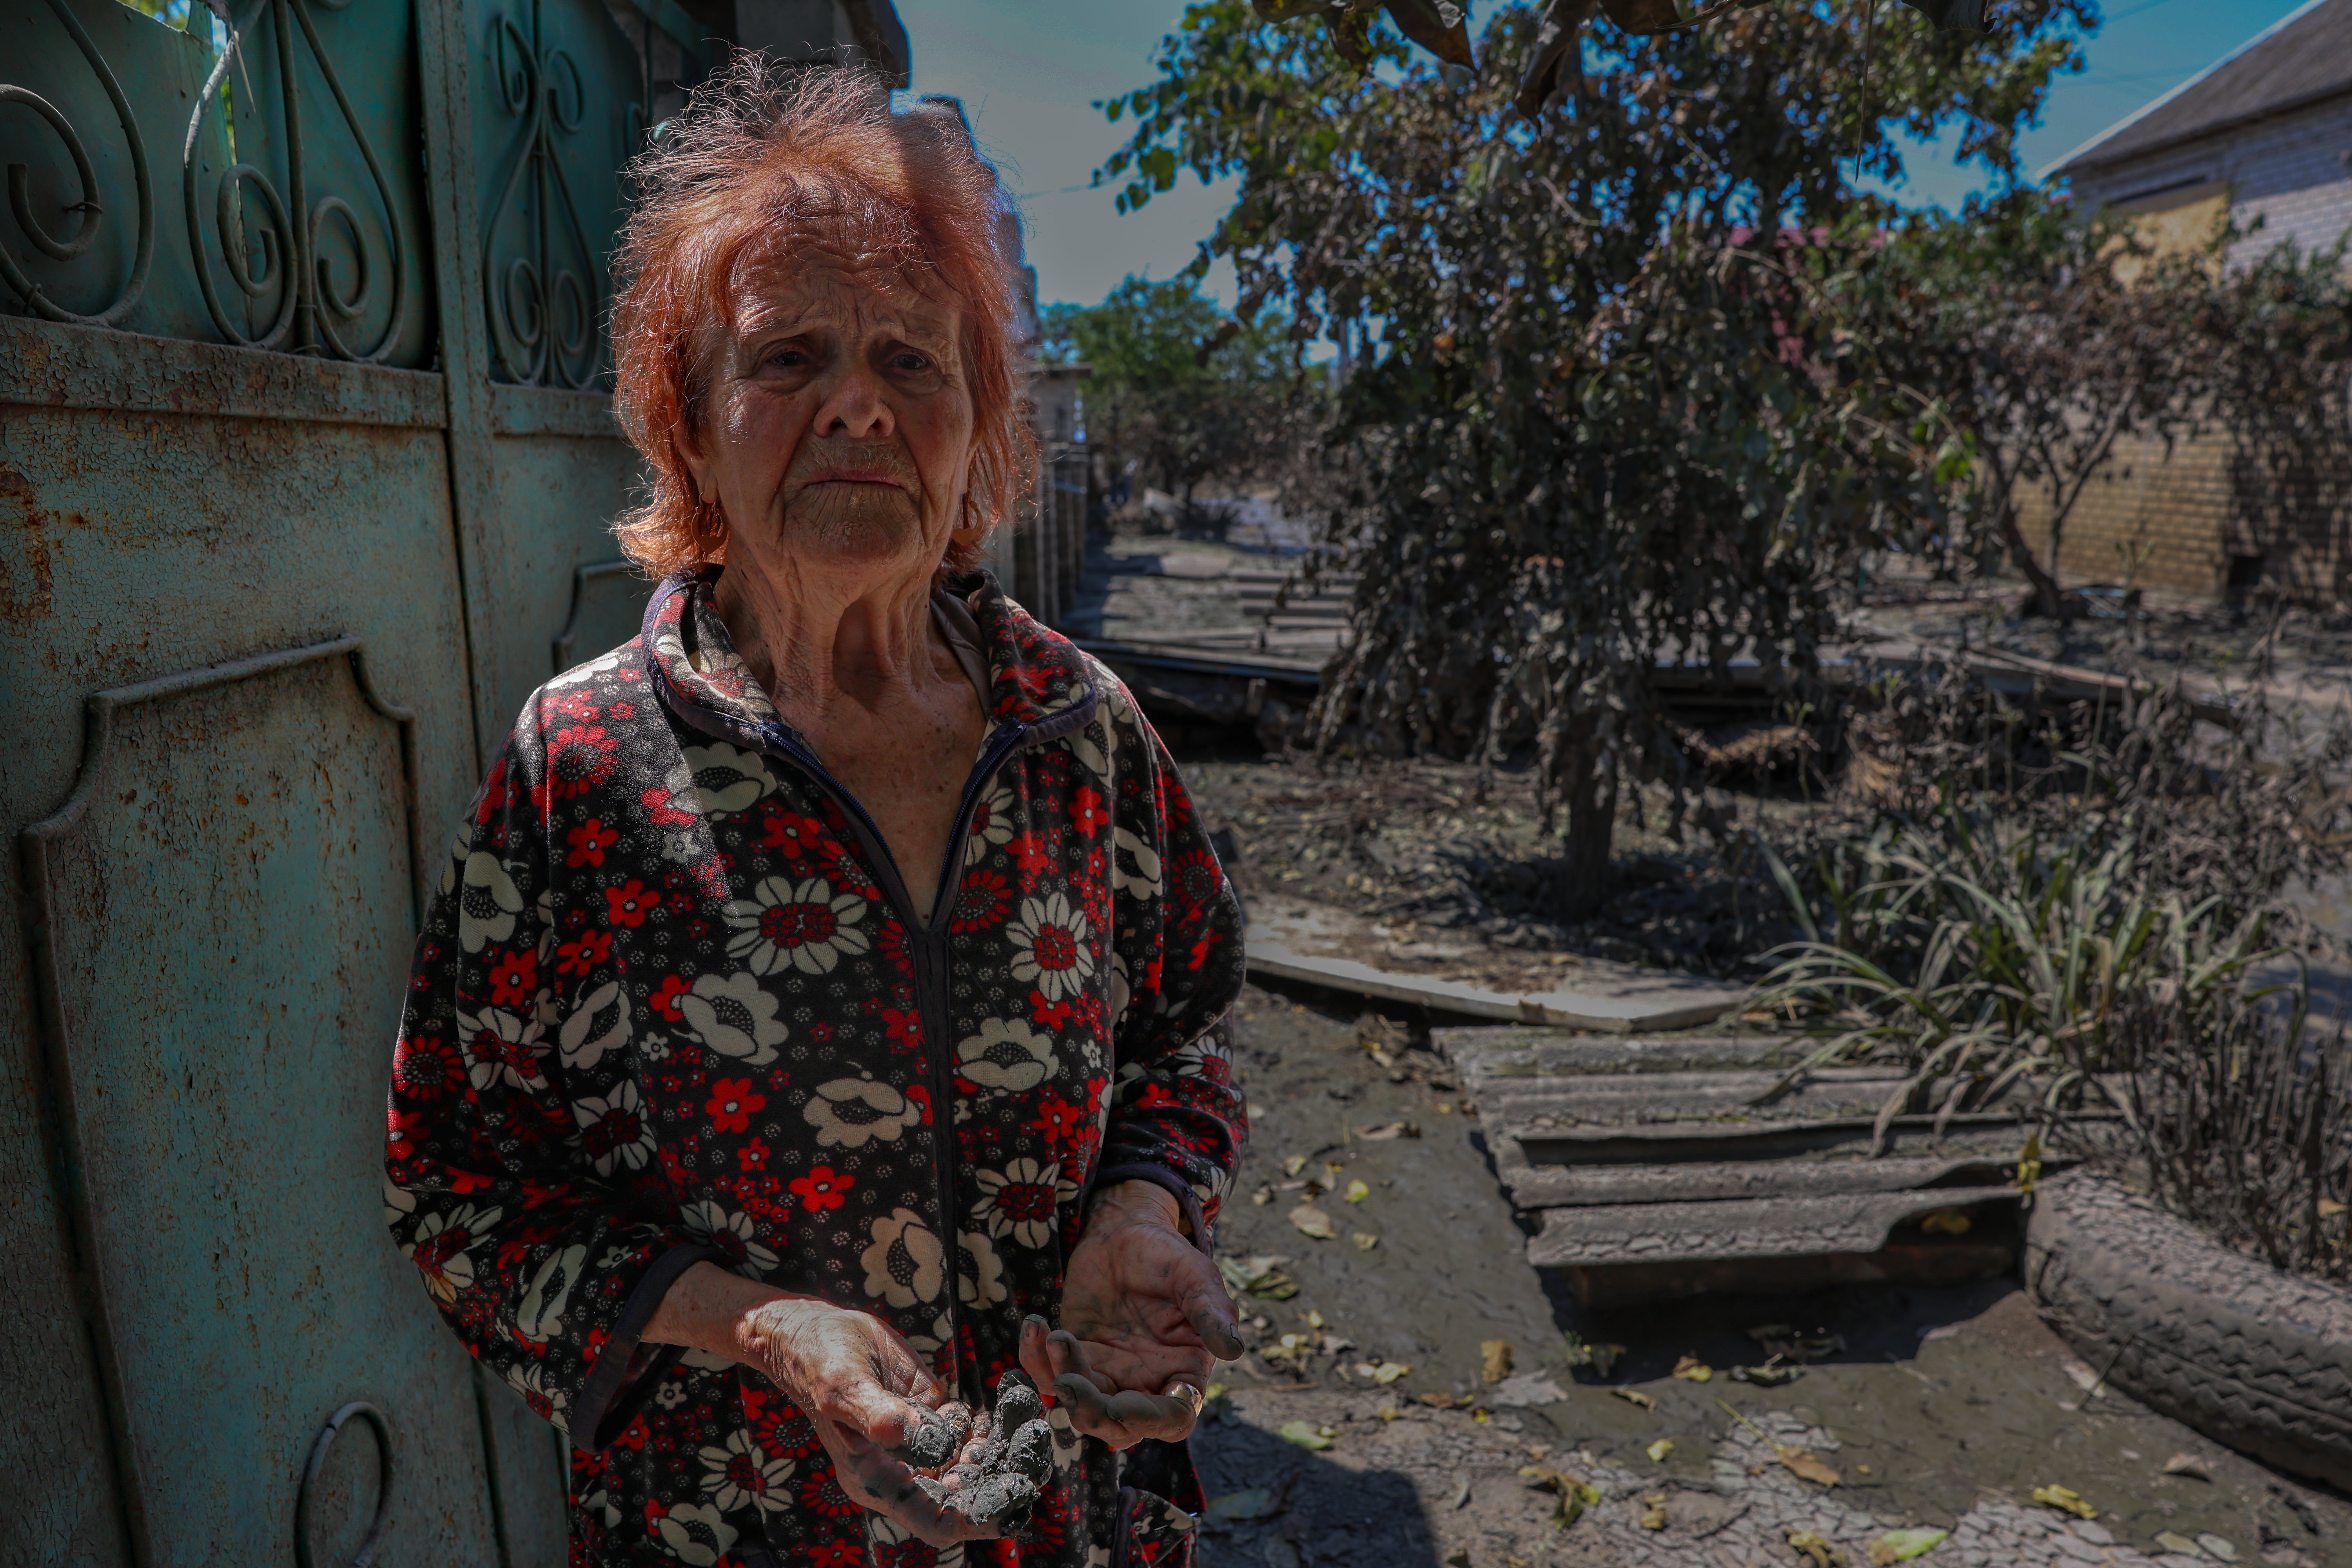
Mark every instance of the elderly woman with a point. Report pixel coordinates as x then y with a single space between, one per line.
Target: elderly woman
825 1013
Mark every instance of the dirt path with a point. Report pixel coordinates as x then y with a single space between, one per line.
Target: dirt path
1943 1409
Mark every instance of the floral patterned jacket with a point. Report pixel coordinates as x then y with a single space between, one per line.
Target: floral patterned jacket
671 1005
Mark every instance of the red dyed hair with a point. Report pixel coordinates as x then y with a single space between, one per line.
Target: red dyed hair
764 155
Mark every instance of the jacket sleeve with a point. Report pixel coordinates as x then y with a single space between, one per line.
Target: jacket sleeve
507 1185
1177 1118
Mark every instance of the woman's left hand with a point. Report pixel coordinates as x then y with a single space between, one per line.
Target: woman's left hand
1145 1317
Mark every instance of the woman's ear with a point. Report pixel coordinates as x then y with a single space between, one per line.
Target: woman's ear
969 527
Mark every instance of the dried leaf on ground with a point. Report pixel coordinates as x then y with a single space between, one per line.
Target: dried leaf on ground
1654 1512
1257 1502
2084 1378
1258 1275
1693 1369
1306 1435
1461 1490
1494 1360
1660 1449
1262 1196
1359 1190
1436 1401
1902 1545
2190 1465
1635 1397
1803 1462
1574 1495
1313 1318
1365 1240
1313 1222
1294 1165
2065 1498
1384 1373
1811 1543
1392 1130
1769 1375
1944 1222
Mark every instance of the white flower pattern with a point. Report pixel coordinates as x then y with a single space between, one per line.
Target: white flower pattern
803 925
1007 1054
1051 947
735 1017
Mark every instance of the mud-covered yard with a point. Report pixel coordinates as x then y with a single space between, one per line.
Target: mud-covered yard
1937 1409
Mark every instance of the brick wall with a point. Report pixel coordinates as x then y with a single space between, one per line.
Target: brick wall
2178 522
2183 519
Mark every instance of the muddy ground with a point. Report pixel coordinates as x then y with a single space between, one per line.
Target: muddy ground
1943 1408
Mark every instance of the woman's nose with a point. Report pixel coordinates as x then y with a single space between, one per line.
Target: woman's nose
853 407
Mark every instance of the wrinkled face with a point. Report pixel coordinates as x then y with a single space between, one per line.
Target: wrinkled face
837 431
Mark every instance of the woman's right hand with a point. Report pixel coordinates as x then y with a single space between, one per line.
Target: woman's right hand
860 1385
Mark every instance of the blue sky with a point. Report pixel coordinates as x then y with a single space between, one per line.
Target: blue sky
1029 70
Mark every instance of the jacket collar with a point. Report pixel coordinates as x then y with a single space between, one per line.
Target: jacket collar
1038 680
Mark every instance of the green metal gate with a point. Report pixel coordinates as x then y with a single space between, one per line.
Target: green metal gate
305 476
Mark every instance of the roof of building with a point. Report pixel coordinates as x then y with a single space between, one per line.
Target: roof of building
2303 59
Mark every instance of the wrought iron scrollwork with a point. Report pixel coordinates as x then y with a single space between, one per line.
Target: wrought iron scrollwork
545 303
90 212
314 315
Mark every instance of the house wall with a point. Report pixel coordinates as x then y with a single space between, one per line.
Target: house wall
2290 172
2184 518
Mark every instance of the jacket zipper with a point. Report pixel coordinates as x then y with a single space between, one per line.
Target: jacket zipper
933 1000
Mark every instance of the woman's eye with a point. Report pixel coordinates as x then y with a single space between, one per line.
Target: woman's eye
910 362
788 358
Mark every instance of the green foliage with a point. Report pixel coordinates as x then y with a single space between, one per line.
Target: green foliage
1155 395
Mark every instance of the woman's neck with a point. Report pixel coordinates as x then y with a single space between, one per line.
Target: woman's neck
818 643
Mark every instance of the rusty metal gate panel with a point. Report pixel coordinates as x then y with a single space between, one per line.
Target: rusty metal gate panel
305 474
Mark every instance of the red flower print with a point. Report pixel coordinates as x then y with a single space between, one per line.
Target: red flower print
904 1029
580 759
1048 1015
625 710
589 841
574 705
1030 853
629 906
1062 1122
427 1068
752 1156
493 791
731 1104
920 1094
585 954
665 997
659 811
984 900
820 1493
793 834
834 1553
514 978
1087 812
822 1188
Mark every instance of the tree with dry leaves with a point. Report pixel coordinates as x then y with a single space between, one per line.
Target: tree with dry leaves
1615 410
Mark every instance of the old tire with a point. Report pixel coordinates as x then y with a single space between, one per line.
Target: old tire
2252 1358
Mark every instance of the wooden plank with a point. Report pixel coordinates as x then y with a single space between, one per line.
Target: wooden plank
1614 1015
1741 1229
1558 1187
1488 1052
